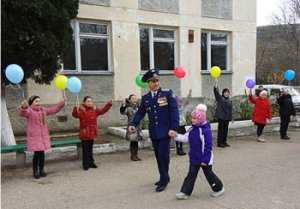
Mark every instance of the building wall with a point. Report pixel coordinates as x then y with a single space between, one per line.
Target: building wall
217 8
237 17
96 2
169 6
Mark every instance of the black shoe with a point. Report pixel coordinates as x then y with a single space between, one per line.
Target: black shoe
157 183
93 165
285 138
161 188
134 158
36 174
43 173
226 145
85 168
181 152
221 145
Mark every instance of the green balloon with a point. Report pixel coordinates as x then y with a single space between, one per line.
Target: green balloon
139 82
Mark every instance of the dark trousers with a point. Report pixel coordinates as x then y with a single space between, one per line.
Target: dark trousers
134 147
284 125
181 130
189 181
87 153
38 160
260 128
162 155
222 131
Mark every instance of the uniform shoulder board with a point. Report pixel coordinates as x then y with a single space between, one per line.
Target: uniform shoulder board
165 89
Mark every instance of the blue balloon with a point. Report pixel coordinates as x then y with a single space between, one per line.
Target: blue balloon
14 73
74 85
289 75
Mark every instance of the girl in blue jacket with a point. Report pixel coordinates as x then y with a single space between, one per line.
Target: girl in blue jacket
199 137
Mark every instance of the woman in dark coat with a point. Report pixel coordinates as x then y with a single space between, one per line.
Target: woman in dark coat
223 114
286 109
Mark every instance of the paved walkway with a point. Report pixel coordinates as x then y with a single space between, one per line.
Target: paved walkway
255 175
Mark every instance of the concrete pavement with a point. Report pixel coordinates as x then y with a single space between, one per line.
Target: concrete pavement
255 175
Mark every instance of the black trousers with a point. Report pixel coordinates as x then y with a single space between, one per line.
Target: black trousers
189 181
181 130
284 125
222 131
162 155
260 128
87 153
134 147
38 160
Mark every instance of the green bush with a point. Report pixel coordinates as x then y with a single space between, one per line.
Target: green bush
144 123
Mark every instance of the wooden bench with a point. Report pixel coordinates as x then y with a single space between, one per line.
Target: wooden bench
20 149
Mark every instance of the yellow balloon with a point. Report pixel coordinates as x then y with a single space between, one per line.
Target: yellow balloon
60 82
215 72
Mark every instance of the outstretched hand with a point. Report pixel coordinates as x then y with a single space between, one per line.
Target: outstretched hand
24 104
172 134
110 102
131 129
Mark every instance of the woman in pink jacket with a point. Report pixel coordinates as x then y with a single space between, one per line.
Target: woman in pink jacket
38 139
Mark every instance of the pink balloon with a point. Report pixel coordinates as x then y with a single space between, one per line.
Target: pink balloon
179 72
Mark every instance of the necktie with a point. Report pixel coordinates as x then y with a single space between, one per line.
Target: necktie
154 94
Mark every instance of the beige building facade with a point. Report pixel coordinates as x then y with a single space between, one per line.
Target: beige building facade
115 40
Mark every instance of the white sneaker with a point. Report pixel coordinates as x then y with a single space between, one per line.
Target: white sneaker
218 194
259 139
181 196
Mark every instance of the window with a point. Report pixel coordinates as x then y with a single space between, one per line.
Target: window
214 50
90 49
157 48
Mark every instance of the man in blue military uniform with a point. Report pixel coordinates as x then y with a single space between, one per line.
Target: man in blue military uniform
161 107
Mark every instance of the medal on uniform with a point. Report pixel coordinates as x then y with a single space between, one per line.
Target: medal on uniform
162 101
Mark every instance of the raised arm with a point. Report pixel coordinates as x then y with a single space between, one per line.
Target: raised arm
103 110
217 94
55 109
76 112
252 99
123 109
23 112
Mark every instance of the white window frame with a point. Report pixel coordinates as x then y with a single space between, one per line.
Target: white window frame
77 35
209 43
153 39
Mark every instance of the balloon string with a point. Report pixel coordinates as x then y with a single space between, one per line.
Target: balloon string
64 96
77 100
22 91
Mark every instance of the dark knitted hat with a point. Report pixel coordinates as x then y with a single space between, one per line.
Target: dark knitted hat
32 98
